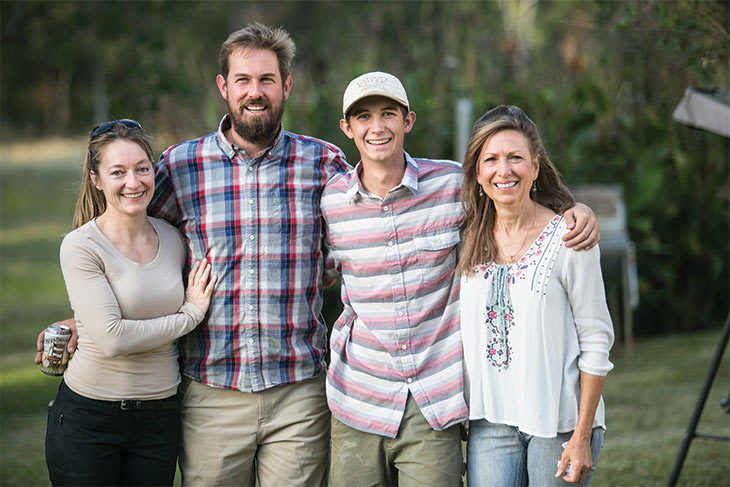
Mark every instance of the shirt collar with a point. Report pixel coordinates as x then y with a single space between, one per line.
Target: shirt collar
230 149
410 178
356 190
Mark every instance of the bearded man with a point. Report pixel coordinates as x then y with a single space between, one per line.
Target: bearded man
246 197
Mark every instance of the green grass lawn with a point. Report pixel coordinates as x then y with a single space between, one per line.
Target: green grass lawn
648 404
648 409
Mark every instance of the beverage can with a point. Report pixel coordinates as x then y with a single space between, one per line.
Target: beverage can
55 354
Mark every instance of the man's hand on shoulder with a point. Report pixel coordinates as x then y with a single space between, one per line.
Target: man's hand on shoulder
584 231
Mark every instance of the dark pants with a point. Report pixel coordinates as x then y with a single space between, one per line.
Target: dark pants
91 442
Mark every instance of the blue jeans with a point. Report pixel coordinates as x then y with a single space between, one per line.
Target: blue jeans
501 455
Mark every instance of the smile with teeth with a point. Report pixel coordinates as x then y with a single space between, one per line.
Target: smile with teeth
506 185
133 195
379 141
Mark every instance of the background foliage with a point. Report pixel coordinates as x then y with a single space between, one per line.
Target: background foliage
600 78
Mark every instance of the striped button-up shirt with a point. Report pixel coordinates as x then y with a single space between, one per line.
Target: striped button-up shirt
258 221
399 331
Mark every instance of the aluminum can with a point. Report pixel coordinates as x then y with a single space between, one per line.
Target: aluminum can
55 354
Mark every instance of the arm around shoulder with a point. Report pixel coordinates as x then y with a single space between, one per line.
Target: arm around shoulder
163 204
584 231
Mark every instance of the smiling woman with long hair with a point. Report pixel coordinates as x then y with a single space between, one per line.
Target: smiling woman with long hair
115 418
534 320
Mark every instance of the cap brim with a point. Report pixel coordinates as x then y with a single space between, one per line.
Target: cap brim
374 93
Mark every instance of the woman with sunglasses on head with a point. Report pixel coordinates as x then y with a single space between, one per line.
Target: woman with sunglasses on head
115 418
534 320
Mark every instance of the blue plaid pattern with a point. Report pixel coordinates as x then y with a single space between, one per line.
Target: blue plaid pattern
257 220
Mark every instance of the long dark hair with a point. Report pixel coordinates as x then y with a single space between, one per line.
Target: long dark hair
478 234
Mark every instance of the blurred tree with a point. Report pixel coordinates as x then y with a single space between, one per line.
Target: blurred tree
600 78
69 64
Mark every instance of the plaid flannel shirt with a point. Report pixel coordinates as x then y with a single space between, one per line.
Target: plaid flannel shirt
257 220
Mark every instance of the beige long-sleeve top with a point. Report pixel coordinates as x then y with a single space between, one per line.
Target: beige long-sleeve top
128 315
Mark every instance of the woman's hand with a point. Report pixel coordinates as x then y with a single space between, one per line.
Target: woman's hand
577 453
584 230
200 285
72 342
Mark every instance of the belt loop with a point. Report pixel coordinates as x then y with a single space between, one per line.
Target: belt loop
110 407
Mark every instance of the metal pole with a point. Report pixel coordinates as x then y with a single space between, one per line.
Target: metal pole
630 296
462 131
692 428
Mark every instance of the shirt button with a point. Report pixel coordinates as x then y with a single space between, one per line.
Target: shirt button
400 313
390 244
396 279
250 202
251 271
409 380
250 307
251 237
250 168
250 340
385 208
404 347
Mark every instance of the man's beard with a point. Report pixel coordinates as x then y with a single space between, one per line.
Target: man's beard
257 130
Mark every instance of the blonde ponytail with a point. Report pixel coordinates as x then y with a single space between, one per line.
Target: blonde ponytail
91 202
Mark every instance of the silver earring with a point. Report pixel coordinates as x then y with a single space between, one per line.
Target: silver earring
481 192
534 186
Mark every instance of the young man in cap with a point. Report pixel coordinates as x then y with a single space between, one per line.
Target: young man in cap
394 384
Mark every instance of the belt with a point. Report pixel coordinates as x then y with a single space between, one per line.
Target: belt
171 402
153 405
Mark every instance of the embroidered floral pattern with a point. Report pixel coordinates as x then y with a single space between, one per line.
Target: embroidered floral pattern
499 311
499 351
519 270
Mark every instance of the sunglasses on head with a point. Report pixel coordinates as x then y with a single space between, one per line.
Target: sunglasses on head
107 126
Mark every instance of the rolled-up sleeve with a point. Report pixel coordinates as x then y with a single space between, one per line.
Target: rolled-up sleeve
587 297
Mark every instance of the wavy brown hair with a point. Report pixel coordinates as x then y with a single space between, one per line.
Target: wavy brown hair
259 36
478 234
91 202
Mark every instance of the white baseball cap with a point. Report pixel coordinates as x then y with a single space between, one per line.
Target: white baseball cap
375 83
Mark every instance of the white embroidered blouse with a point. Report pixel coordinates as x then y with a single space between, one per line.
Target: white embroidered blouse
529 329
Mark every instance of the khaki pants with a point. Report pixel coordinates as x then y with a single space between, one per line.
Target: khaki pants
279 436
418 456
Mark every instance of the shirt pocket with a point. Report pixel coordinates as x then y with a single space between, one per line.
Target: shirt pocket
297 218
436 256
